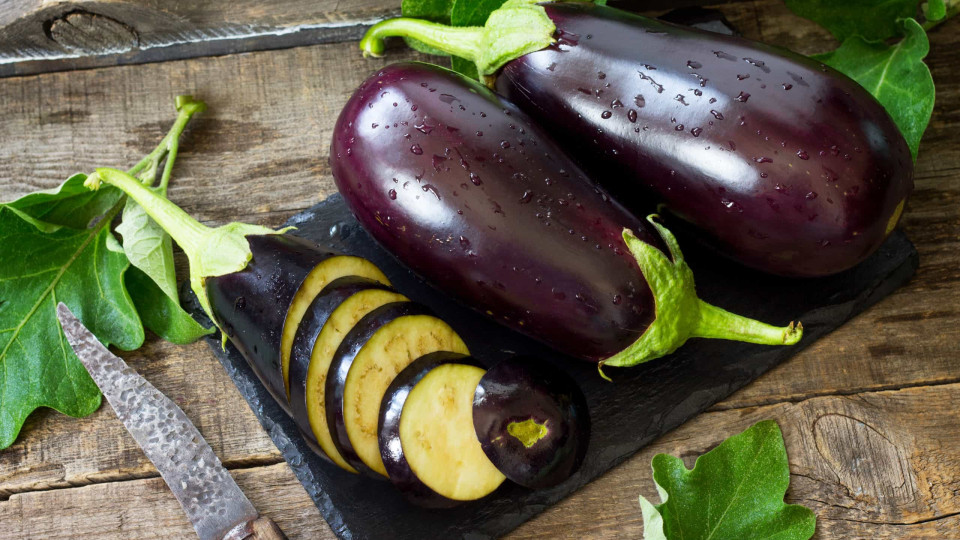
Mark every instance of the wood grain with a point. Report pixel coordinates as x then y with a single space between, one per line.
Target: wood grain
879 465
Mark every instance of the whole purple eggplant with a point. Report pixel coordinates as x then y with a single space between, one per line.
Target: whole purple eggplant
467 192
780 161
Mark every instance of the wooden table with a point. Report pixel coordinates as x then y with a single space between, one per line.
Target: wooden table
869 413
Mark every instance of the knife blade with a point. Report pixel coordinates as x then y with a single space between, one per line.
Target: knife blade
210 497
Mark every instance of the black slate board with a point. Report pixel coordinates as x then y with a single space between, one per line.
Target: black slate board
640 405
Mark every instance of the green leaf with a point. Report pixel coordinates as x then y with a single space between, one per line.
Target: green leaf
895 75
734 491
148 247
470 13
71 204
437 11
40 265
464 67
871 19
935 10
160 314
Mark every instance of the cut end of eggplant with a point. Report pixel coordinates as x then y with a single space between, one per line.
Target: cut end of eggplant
532 421
437 437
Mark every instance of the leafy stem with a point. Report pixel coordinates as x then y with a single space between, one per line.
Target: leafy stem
518 27
186 108
210 251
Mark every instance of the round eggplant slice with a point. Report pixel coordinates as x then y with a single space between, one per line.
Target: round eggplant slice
306 337
532 421
371 355
391 448
318 278
341 321
437 436
251 305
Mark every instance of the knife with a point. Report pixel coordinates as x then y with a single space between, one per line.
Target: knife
208 494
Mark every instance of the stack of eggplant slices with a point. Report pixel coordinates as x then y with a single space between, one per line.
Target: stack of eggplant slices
526 199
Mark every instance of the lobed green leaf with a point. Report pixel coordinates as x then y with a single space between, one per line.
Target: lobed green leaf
40 265
734 491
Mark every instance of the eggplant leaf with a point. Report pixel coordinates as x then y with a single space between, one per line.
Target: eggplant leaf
873 20
42 264
70 204
148 247
470 13
161 314
894 74
734 491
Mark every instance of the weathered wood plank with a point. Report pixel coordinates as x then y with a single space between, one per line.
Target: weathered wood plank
880 465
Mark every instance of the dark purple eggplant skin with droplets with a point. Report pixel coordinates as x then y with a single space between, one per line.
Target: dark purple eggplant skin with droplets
782 163
468 193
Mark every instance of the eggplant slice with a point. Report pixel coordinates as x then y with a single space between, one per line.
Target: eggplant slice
308 331
437 435
343 318
532 421
371 355
251 305
318 278
391 449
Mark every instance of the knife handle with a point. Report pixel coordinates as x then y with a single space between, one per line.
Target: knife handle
262 528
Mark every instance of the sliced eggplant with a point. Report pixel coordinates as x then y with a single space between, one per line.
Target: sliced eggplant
308 387
318 278
391 448
437 436
532 421
371 355
306 337
251 305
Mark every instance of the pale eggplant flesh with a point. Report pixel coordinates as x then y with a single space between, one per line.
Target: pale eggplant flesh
316 316
370 356
391 447
340 322
436 434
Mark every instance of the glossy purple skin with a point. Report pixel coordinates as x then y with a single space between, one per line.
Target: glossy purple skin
391 449
355 339
250 306
782 163
520 389
309 329
467 192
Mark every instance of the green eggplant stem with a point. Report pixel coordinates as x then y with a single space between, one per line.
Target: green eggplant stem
211 251
680 314
516 28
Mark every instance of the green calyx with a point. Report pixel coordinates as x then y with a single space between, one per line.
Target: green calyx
210 251
518 27
680 314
